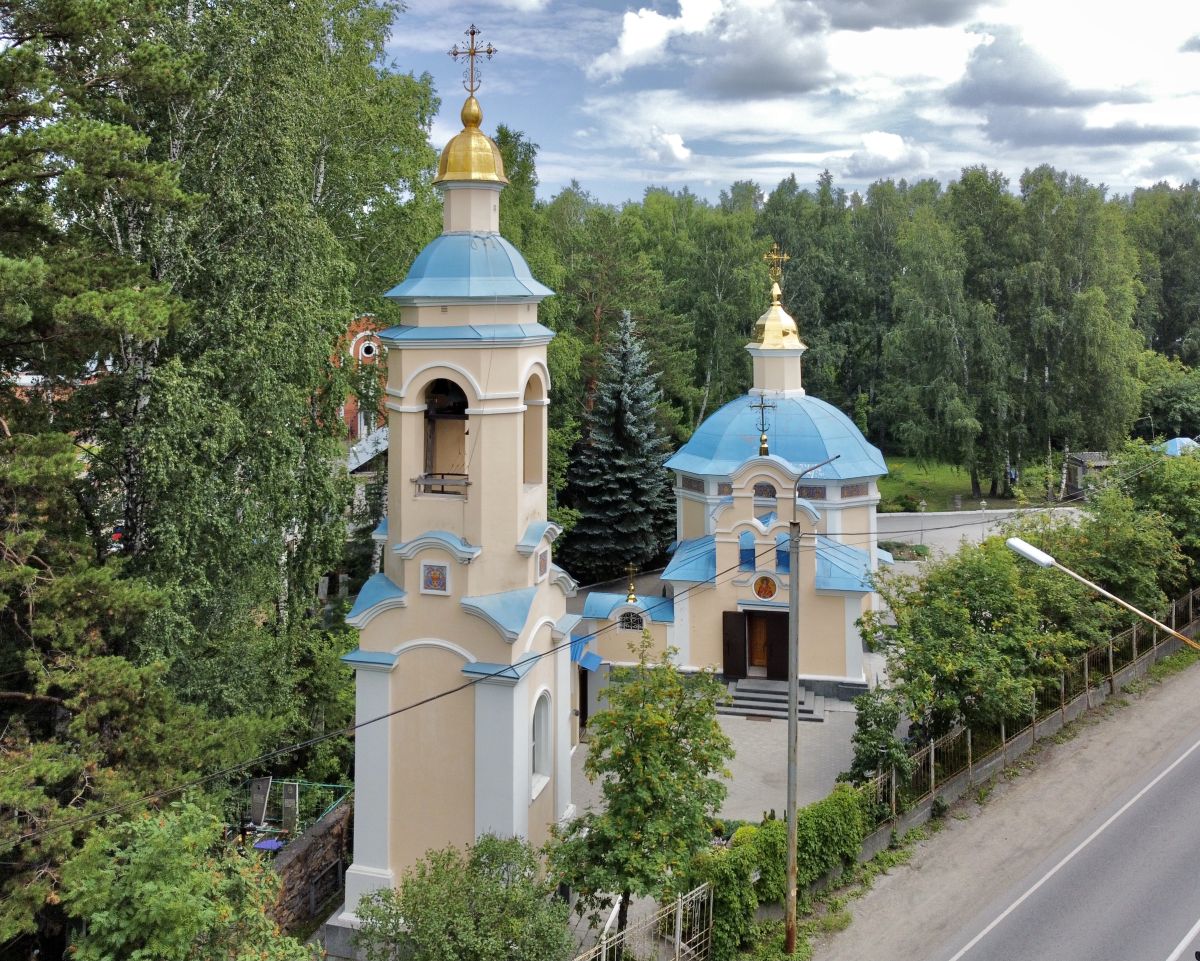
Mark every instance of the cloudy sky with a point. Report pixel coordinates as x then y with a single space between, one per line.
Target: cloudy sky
704 92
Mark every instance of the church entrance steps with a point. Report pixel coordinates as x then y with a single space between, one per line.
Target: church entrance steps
758 697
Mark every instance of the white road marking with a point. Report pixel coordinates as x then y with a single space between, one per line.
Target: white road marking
1079 847
1182 946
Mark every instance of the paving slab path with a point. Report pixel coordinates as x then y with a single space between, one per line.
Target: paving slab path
915 909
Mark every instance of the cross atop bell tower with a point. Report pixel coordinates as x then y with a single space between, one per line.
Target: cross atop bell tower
471 51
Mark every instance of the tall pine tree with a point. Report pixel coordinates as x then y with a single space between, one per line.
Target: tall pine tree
616 480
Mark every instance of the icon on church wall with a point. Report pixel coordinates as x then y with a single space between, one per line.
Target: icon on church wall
764 588
543 565
435 579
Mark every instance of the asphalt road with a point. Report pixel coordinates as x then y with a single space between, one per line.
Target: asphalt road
1124 887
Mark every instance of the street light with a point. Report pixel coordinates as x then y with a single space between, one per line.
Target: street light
789 943
1042 559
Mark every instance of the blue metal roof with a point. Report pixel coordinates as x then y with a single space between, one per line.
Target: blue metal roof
535 533
1177 445
484 670
841 567
378 594
599 606
459 334
803 431
695 561
468 266
506 611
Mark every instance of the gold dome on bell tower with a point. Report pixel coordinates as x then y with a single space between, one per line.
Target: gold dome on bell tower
471 155
776 328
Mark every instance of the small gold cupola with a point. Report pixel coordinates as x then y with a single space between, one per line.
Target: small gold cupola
471 155
776 347
776 328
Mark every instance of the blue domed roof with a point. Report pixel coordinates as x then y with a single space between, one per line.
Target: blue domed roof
802 430
468 266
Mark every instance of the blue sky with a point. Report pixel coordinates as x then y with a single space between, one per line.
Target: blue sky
705 92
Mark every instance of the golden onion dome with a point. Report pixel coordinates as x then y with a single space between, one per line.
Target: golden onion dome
471 154
776 328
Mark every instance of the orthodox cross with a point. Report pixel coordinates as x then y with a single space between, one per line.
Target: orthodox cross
762 407
631 571
776 258
471 51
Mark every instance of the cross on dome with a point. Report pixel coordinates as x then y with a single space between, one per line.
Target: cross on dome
776 258
471 76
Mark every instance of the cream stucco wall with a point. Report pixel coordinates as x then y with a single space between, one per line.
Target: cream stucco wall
429 812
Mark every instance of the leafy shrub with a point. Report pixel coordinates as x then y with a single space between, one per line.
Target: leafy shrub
743 835
770 850
734 902
829 834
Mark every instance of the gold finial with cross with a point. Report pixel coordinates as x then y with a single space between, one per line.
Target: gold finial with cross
472 76
776 258
632 597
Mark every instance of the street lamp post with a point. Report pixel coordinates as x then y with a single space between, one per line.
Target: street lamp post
1042 559
789 944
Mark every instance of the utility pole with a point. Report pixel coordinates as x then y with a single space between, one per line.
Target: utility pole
789 944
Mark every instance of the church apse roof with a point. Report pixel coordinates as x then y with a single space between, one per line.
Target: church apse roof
804 431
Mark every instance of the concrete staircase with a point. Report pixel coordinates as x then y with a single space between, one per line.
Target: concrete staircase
759 698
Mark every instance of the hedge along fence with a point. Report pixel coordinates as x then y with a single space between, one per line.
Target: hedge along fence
752 870
965 756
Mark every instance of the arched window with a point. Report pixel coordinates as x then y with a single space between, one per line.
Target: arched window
446 428
631 621
765 490
746 551
533 430
542 742
783 557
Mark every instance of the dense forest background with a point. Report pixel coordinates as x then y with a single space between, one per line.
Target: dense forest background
196 199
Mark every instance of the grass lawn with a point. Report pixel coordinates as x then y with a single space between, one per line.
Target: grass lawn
908 482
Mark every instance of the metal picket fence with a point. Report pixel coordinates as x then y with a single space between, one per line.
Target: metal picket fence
680 930
1085 679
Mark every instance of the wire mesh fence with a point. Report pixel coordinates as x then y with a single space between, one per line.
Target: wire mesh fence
933 764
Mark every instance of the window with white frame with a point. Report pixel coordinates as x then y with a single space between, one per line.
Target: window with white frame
541 743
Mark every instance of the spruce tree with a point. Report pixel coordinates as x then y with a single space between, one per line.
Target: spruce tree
616 480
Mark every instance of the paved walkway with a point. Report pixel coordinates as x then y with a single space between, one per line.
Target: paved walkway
759 768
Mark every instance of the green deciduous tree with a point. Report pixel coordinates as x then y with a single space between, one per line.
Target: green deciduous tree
659 754
487 903
968 644
167 886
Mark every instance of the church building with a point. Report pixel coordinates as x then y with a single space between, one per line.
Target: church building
725 599
469 604
465 644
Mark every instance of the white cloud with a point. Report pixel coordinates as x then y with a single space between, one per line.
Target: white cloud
665 147
645 33
884 154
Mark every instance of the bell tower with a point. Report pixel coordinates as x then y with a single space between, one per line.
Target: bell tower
469 608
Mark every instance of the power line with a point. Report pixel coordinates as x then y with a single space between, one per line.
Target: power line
349 729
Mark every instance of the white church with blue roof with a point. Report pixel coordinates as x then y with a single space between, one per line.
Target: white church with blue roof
465 643
726 597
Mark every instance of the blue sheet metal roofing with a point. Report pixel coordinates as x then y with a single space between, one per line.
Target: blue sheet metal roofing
506 611
468 266
841 567
1177 446
599 606
694 562
804 431
454 336
379 591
